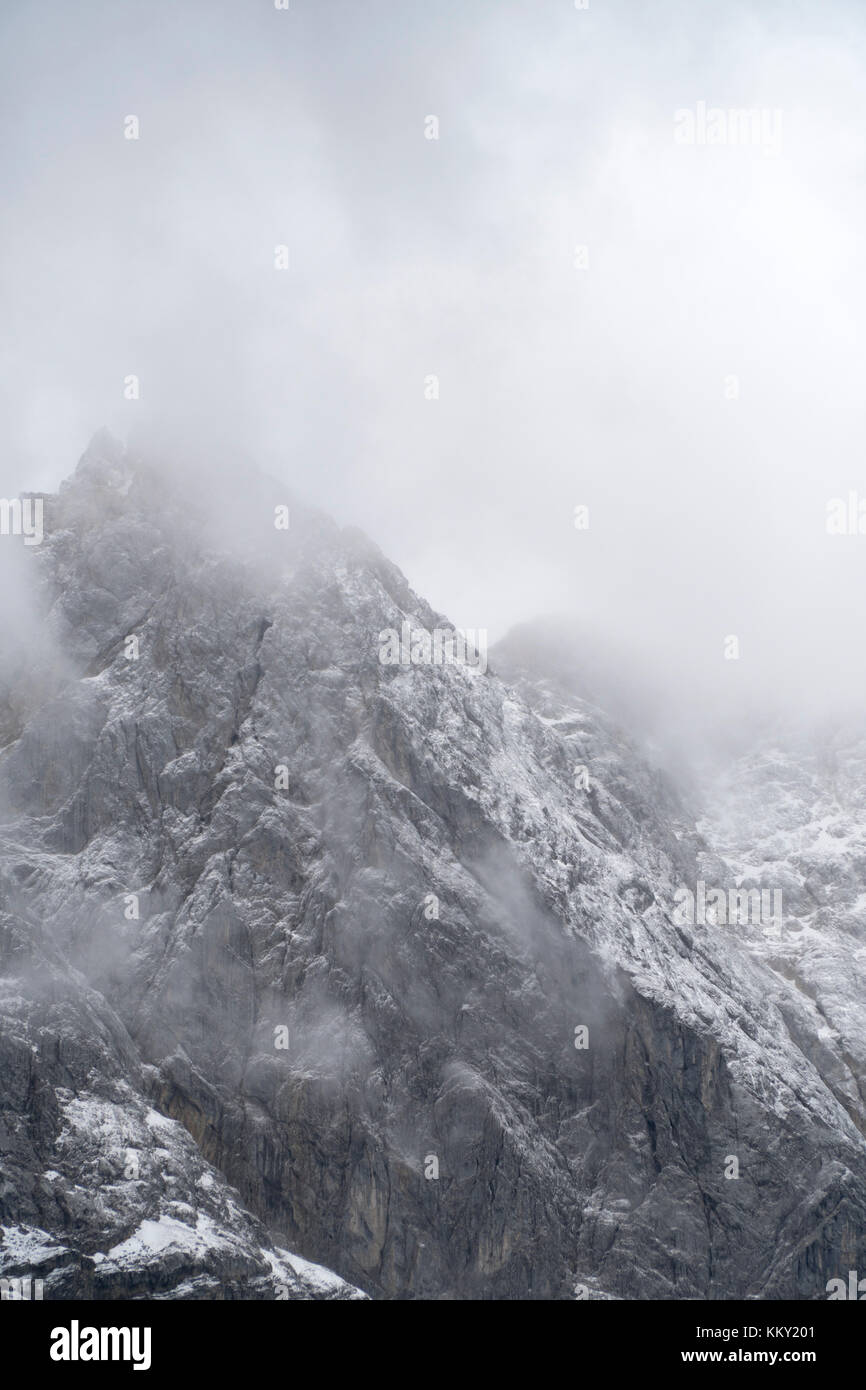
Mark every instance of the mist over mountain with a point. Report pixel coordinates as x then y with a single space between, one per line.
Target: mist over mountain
432 743
310 955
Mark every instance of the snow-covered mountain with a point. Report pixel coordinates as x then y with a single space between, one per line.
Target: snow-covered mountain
791 813
384 964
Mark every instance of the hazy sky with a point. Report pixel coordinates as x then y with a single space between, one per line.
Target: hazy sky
604 383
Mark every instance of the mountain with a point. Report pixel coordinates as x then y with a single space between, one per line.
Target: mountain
304 950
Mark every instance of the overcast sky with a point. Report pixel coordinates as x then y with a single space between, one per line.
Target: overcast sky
600 378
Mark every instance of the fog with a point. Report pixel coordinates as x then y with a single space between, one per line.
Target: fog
693 376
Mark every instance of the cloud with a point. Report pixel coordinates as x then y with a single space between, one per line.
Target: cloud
694 376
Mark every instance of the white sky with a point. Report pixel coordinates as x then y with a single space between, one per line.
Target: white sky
558 386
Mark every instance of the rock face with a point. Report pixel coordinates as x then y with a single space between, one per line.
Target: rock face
306 951
790 815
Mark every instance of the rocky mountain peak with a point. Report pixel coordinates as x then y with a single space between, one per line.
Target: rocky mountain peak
368 953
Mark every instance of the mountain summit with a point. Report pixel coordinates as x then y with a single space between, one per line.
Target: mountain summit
378 963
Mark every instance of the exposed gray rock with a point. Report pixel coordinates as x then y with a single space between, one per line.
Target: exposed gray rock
395 871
